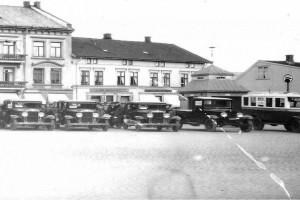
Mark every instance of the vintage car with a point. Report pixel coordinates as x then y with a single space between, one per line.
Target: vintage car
149 114
214 112
80 114
24 113
273 109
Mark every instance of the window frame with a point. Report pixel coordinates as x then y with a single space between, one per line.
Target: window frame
85 75
134 77
11 72
39 49
184 79
97 77
42 71
153 77
57 50
52 70
167 79
120 78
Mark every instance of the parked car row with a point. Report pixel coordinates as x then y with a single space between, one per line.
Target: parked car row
212 112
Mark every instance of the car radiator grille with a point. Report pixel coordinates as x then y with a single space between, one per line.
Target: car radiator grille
158 118
87 117
33 117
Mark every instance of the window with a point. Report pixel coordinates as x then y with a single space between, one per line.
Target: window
38 76
38 49
166 79
253 101
200 77
127 62
279 102
133 78
121 78
8 74
246 101
109 98
154 79
55 49
269 102
160 64
124 62
55 76
190 65
9 48
184 79
98 77
130 62
85 78
262 72
88 61
220 77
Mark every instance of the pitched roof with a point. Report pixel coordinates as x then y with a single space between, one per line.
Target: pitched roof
26 17
118 49
212 70
213 85
295 64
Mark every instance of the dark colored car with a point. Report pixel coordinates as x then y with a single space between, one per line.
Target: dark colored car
24 113
149 114
80 114
214 112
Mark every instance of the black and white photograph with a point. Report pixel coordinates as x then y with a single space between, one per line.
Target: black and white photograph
149 99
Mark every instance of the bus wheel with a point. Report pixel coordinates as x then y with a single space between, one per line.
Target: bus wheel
257 124
295 125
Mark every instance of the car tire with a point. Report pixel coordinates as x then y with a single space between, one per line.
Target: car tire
295 125
257 124
176 128
247 126
210 125
138 128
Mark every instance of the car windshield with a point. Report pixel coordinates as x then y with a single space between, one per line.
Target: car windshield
217 103
152 107
82 105
27 105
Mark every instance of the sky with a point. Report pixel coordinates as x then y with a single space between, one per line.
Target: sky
241 31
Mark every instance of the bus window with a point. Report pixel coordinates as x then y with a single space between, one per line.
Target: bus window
269 102
246 101
279 102
253 101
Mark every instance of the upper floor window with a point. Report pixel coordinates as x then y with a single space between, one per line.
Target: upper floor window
85 77
98 77
38 49
121 78
8 74
133 78
166 79
200 77
190 65
55 49
154 79
220 77
91 60
160 64
9 48
127 62
38 76
263 72
55 76
184 79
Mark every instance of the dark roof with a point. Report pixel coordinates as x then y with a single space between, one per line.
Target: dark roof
24 17
213 85
132 50
295 64
212 70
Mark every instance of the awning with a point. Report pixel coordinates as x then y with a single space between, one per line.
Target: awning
34 97
56 97
172 99
148 98
4 96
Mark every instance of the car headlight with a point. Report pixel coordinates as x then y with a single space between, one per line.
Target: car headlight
25 114
95 115
224 114
78 114
166 115
150 115
41 114
239 114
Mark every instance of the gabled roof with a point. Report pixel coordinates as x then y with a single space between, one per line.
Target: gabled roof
132 50
212 70
27 17
213 85
295 64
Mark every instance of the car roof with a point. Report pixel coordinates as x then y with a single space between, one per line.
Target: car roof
77 101
144 102
212 98
22 100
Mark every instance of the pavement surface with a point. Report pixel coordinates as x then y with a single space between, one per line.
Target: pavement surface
125 164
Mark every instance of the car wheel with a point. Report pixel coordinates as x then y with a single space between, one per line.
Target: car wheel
257 124
210 125
138 128
104 128
159 128
247 126
295 125
288 126
176 128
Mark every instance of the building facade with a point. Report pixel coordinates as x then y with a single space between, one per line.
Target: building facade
110 70
35 54
269 76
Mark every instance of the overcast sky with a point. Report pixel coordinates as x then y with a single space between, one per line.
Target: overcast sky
242 31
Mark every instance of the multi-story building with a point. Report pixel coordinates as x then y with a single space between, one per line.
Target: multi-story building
35 54
110 70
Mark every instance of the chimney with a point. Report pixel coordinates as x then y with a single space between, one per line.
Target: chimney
107 36
37 4
26 4
290 59
147 39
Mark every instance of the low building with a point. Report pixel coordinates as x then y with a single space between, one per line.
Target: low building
270 76
110 70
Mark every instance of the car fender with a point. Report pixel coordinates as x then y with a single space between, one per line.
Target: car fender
14 116
106 116
212 116
139 117
177 118
50 117
68 117
247 117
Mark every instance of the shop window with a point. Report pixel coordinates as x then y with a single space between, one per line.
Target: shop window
109 98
